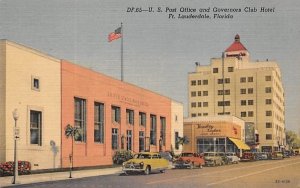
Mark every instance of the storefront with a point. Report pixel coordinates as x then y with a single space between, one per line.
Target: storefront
214 134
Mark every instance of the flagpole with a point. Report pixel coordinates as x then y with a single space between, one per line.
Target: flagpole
122 77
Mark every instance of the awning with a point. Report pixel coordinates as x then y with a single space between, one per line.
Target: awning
240 144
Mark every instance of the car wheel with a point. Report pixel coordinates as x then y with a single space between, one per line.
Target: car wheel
147 170
162 171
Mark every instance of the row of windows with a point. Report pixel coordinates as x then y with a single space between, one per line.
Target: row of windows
199 104
199 82
225 80
227 92
199 93
229 69
80 122
199 114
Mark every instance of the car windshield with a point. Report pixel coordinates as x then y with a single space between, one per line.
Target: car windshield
187 155
142 156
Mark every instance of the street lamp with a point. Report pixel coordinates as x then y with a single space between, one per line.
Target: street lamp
16 136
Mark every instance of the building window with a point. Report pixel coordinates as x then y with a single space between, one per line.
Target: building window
194 115
115 140
193 104
268 125
250 79
199 114
227 80
193 94
80 119
215 70
250 102
205 104
99 122
199 104
243 91
230 69
176 140
116 114
223 103
250 90
193 82
199 82
227 92
220 92
268 136
141 141
250 113
35 127
129 117
199 93
205 82
242 79
153 125
205 114
142 118
35 83
268 78
243 114
268 90
129 140
153 129
163 130
268 113
205 93
220 81
268 101
243 102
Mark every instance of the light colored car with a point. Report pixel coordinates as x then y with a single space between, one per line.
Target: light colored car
212 159
233 158
145 162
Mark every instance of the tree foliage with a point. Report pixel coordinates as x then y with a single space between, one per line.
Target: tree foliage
292 139
183 140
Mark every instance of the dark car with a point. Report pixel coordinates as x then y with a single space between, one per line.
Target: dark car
248 156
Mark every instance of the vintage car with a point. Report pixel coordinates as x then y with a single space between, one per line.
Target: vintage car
277 155
145 162
225 159
212 159
233 158
248 156
189 160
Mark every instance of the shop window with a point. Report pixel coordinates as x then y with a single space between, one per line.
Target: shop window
80 119
35 127
98 122
129 117
116 114
153 124
114 137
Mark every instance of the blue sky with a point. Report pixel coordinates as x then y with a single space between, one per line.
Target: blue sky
158 51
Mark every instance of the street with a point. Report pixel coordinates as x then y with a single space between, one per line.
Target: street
268 173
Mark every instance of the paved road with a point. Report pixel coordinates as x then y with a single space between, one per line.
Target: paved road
270 173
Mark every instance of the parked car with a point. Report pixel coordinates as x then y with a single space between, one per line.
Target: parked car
212 159
286 154
248 156
225 159
7 168
277 155
145 162
189 160
233 158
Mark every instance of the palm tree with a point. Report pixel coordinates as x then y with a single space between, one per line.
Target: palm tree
72 132
182 140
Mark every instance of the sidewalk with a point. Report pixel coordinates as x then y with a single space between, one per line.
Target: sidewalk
55 176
